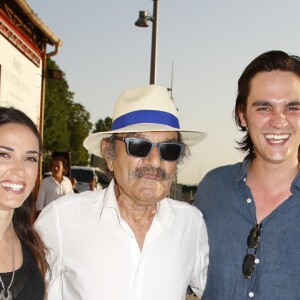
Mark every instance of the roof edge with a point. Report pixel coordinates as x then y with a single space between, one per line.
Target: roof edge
53 38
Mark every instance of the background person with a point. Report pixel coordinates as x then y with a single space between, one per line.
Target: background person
129 241
74 184
22 253
252 208
92 185
54 186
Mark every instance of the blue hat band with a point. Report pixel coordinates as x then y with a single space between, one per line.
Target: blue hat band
145 116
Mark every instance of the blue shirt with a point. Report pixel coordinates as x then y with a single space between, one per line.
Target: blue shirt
229 211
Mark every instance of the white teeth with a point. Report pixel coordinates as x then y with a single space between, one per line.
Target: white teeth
13 186
277 138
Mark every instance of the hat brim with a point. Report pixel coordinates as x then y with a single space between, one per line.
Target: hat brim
93 142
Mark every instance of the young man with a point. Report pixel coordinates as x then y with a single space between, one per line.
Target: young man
252 208
129 241
54 186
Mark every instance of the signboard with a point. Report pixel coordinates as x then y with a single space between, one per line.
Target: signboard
20 77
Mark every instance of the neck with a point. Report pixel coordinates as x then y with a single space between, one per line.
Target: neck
139 218
5 231
5 223
281 172
58 177
129 208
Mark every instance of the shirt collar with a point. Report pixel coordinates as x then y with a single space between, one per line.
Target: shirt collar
165 213
296 181
110 200
243 170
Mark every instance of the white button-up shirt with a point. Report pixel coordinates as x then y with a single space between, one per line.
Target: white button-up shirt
94 254
50 190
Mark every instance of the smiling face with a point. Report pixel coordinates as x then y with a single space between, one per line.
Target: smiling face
273 116
19 155
143 180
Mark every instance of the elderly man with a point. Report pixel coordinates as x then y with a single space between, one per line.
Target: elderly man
129 241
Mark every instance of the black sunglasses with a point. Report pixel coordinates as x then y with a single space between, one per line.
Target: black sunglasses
169 151
252 243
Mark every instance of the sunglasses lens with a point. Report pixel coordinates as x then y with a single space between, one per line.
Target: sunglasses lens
248 265
253 237
139 148
249 259
170 151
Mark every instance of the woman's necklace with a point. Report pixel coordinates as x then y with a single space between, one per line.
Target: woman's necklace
7 295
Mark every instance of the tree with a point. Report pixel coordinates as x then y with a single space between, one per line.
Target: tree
61 116
58 100
80 121
103 125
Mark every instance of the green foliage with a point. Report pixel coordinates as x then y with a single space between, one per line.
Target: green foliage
100 125
66 123
80 127
103 125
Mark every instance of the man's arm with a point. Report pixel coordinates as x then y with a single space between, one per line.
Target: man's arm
199 276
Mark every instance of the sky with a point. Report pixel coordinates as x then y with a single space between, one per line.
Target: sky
208 43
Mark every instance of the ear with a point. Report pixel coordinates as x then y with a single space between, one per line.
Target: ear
242 117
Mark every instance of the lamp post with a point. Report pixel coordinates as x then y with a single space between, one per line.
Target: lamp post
143 22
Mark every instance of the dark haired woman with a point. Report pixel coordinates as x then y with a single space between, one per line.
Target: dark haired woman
22 253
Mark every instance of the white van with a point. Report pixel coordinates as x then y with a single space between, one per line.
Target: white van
83 175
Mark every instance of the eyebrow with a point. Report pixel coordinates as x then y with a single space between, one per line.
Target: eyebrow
12 150
267 103
294 103
261 103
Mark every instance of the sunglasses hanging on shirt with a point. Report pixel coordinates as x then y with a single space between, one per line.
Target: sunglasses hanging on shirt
252 243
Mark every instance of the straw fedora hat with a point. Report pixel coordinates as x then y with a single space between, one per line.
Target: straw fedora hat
143 109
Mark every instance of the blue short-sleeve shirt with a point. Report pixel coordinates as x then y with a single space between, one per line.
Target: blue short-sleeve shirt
229 211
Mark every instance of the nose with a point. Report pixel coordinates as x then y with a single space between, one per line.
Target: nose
154 157
278 120
18 167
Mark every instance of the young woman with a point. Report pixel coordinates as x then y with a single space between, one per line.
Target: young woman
22 253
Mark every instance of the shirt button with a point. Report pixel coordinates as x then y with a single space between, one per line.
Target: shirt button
245 179
251 294
249 200
256 261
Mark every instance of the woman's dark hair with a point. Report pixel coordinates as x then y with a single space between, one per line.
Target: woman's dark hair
24 216
266 62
